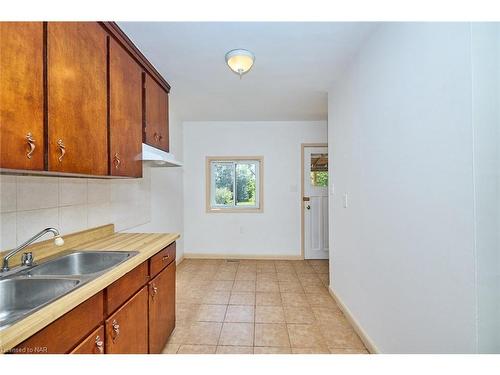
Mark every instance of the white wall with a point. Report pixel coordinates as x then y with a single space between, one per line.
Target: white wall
485 42
276 231
401 139
167 191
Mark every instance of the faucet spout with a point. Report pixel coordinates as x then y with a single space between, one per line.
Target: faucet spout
58 241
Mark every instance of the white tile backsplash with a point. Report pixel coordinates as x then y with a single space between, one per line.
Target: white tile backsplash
33 221
99 214
37 192
72 218
8 230
72 191
32 203
8 193
99 191
128 214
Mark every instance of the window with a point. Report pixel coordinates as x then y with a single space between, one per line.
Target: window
234 184
319 170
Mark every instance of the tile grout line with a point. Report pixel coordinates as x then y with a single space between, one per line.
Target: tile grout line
286 324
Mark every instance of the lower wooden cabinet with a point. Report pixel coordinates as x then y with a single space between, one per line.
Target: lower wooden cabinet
134 315
127 329
161 308
66 332
93 344
125 287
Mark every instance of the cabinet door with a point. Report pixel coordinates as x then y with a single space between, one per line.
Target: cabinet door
92 344
156 110
77 98
127 328
21 95
125 79
161 308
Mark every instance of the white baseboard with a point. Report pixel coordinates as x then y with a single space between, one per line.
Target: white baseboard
240 256
370 345
179 260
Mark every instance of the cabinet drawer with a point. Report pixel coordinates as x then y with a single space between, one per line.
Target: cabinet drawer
127 328
161 260
125 287
63 334
92 344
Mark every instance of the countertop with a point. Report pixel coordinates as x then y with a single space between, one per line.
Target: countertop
147 244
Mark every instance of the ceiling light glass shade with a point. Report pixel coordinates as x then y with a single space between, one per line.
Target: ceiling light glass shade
240 61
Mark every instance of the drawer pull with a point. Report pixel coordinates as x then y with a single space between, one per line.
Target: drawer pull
99 344
166 257
31 144
62 148
116 329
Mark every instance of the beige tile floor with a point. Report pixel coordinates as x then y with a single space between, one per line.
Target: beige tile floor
258 307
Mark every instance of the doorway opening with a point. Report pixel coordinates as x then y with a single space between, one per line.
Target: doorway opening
314 201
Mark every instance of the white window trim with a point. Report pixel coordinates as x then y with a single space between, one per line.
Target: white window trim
210 184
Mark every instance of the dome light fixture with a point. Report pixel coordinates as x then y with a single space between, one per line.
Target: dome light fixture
240 61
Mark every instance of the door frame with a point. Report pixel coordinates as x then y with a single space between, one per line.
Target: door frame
302 236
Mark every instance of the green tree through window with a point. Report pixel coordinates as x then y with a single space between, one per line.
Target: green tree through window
234 183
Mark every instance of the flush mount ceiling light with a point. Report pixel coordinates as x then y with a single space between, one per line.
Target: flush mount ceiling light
240 61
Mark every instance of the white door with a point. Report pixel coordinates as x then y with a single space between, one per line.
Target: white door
315 202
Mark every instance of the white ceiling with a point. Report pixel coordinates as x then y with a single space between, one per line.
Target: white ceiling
295 65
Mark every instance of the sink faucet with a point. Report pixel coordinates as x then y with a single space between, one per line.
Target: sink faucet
27 258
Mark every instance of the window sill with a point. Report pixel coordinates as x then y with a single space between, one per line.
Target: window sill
234 210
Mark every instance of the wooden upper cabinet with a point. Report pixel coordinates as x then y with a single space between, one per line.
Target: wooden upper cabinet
156 114
77 98
21 95
125 128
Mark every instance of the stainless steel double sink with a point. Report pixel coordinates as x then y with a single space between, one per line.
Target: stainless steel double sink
29 289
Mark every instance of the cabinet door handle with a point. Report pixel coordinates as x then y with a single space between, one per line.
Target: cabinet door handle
154 290
117 160
116 329
160 137
31 144
62 148
99 344
156 137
